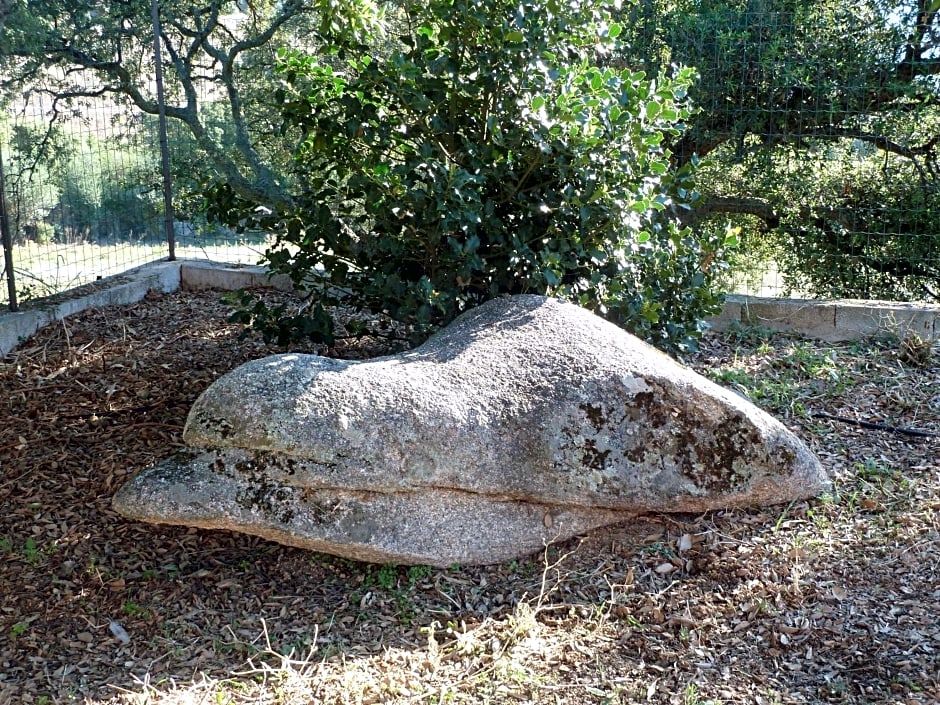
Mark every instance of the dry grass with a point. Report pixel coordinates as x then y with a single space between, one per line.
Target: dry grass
833 600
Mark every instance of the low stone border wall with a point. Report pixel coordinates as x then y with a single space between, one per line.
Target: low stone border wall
831 320
124 289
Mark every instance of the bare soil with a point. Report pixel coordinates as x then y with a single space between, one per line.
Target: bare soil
835 600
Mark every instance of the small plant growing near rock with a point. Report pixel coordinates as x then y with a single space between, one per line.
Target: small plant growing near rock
19 629
916 351
387 577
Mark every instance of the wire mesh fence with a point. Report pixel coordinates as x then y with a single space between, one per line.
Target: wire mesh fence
818 127
83 196
79 201
86 177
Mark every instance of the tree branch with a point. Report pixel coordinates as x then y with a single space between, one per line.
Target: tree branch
260 189
111 44
266 178
710 205
914 64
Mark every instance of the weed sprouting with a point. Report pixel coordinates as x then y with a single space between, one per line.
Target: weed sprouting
874 470
19 629
31 551
387 576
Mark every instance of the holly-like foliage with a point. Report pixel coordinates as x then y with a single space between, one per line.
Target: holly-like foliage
486 148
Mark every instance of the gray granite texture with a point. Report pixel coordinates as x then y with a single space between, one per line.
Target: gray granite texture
527 420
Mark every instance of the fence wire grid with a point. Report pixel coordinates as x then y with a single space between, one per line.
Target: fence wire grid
84 198
826 173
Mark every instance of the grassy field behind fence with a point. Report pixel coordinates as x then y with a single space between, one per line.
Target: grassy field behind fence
45 269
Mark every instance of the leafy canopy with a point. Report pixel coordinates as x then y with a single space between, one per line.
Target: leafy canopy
489 148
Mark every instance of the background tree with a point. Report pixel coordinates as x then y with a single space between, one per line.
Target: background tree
218 56
821 126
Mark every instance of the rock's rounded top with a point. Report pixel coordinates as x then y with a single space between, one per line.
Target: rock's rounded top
493 362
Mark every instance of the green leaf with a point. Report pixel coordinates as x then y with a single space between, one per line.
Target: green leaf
669 114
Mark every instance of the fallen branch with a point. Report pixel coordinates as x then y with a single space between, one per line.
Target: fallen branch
879 426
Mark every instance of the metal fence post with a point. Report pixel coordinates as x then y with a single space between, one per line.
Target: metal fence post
7 237
168 218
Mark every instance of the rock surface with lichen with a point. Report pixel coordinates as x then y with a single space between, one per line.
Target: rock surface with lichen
526 420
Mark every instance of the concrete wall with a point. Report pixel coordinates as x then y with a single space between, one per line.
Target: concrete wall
831 320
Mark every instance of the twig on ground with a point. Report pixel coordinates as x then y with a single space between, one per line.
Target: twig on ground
879 426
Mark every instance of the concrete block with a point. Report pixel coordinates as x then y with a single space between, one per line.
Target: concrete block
831 320
120 290
816 319
166 276
857 319
116 295
211 275
128 288
17 327
730 314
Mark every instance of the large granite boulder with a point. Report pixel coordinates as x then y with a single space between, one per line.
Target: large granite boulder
525 421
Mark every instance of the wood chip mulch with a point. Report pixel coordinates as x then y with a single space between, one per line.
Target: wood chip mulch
835 600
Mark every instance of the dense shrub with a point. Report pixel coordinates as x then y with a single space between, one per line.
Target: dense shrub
488 148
